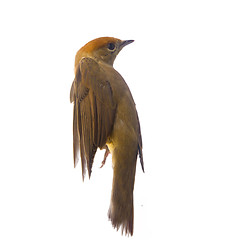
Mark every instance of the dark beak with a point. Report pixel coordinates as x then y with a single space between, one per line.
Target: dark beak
125 43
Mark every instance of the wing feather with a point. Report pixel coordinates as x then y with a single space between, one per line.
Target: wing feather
94 111
75 136
140 145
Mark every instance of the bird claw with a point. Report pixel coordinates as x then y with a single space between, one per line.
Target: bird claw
107 152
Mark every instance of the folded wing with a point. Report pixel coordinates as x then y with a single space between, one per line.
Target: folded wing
94 111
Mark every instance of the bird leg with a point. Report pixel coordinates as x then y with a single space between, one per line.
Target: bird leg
105 156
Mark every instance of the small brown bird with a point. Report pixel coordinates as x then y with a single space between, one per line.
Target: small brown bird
105 116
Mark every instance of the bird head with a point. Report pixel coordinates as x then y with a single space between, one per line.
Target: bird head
104 49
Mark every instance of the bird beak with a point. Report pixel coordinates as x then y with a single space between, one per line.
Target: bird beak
125 43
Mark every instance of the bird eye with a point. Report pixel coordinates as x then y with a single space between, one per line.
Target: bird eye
111 46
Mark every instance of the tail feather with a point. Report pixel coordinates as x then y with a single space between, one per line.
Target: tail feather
118 219
121 211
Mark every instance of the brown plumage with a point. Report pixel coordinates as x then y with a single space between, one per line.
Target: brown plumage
105 116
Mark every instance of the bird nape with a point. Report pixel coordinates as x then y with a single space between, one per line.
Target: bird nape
105 117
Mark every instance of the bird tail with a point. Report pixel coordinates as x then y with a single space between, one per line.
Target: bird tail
121 207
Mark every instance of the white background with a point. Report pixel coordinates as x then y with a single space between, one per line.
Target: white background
179 71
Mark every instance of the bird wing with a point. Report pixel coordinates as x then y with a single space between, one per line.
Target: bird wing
140 145
94 111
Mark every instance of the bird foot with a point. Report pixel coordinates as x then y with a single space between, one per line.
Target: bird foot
107 152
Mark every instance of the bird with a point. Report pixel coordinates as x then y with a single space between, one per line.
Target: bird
105 117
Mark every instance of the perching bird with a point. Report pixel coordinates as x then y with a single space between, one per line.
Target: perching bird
105 116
